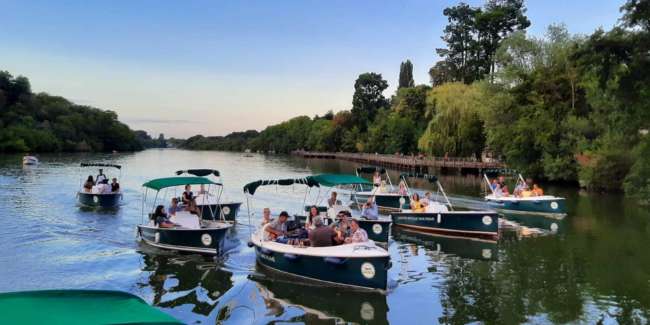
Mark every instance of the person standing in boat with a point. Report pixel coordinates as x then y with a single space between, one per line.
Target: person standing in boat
416 204
174 207
161 219
376 180
202 191
115 187
370 210
331 202
502 183
101 177
88 185
188 195
358 235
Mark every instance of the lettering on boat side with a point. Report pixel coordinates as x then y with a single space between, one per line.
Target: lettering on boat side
554 205
499 204
367 270
487 220
367 311
376 228
226 210
415 218
266 257
487 254
206 239
148 235
96 199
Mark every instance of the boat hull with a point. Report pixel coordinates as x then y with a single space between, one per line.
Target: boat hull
364 272
205 241
386 202
230 210
30 161
545 206
99 200
477 223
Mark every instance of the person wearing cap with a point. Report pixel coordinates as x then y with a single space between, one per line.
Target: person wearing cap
279 229
321 235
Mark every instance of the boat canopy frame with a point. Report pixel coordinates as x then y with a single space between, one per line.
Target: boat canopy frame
373 170
216 177
498 172
432 179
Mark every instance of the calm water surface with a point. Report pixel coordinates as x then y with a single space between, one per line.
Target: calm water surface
591 267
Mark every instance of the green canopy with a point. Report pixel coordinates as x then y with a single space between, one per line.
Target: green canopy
160 183
370 170
337 179
431 178
499 171
252 187
199 172
71 307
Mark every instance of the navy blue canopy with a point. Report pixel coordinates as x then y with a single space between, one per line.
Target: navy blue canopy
199 172
100 165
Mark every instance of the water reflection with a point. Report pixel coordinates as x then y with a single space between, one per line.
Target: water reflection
532 224
463 247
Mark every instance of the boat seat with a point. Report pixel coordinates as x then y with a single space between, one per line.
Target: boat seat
186 219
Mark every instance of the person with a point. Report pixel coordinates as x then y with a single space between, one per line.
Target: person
202 191
101 177
402 189
358 235
193 209
370 210
446 155
526 192
377 179
188 195
502 183
537 191
88 185
174 207
115 187
331 202
313 213
519 189
416 204
321 236
494 184
498 192
342 227
161 219
421 156
397 154
412 156
383 188
104 188
427 199
278 228
267 216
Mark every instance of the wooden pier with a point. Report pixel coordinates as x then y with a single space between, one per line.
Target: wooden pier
413 164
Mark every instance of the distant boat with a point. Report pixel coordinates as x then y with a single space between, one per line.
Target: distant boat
94 198
248 156
247 151
544 204
30 160
115 151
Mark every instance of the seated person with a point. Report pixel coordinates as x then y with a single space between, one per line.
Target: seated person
267 216
519 189
309 224
526 192
277 229
537 191
321 235
383 188
202 191
161 219
402 189
331 202
358 235
193 209
104 188
370 210
427 199
494 184
498 192
342 226
416 204
174 207
115 187
187 195
88 185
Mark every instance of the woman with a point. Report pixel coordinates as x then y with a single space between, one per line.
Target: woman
416 205
88 185
304 233
193 209
188 195
402 189
202 191
377 179
161 220
383 188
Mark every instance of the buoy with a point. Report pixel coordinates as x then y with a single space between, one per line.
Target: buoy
266 251
157 237
333 261
137 233
250 244
290 257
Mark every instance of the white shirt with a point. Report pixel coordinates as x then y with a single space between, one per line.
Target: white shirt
103 189
101 178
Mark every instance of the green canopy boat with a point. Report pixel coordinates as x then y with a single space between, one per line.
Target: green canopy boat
216 200
83 307
388 199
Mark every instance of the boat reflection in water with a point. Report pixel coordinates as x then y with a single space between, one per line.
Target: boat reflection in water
323 304
184 280
463 247
531 224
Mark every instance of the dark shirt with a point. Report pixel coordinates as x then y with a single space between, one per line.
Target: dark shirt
161 219
503 184
321 236
115 187
339 226
187 197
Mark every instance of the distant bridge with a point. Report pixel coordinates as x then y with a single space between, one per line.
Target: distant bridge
409 163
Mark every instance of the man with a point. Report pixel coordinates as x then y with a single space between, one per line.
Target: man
537 191
101 177
331 202
171 211
278 228
358 235
502 182
115 187
104 188
342 226
321 235
267 216
427 199
520 188
498 192
370 210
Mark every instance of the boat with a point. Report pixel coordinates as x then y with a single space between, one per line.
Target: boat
461 246
545 204
30 160
214 201
247 151
93 198
386 201
205 237
363 265
438 217
87 307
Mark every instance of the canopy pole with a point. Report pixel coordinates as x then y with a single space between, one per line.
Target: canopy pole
445 194
392 188
487 180
522 179
223 217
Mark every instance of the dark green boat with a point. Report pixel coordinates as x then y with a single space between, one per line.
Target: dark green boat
390 200
215 202
193 235
94 199
438 218
362 264
82 307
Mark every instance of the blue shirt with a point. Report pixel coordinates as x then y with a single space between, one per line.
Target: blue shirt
170 210
160 220
371 214
494 186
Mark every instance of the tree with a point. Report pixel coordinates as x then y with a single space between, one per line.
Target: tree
406 75
461 52
368 98
412 103
441 72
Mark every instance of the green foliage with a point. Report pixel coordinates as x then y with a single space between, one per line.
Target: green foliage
412 103
406 75
441 72
610 165
637 181
148 142
368 98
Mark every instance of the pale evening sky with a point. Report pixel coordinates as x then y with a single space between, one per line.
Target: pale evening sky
205 67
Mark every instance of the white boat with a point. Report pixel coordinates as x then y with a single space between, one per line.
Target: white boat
30 160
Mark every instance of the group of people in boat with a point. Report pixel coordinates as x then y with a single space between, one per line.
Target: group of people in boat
418 205
162 216
522 190
101 181
382 188
314 233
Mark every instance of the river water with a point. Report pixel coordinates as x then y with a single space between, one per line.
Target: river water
592 266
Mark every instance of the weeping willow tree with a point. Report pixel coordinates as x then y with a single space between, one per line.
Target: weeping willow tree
456 127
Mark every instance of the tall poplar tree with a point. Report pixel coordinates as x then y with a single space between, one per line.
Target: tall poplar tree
406 75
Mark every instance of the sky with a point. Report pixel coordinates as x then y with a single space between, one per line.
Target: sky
213 67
